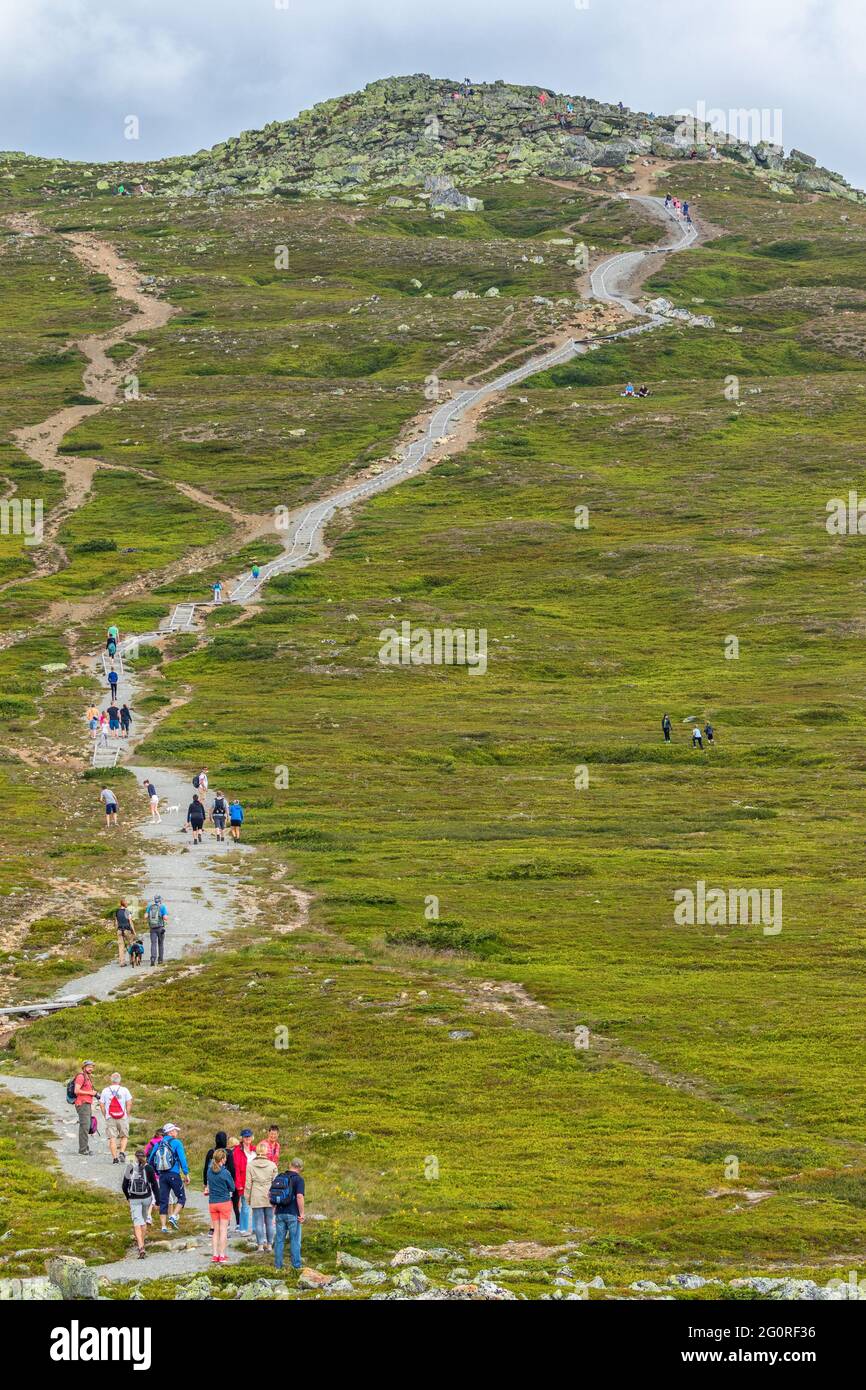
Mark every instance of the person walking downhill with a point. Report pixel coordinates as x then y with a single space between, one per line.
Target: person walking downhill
109 801
261 1171
195 817
85 1094
236 819
141 1189
125 930
153 796
115 1102
169 1162
666 728
287 1199
218 1190
156 913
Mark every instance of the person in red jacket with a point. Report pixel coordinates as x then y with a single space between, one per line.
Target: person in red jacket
242 1155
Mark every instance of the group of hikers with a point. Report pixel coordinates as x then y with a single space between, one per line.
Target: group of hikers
221 810
698 734
217 585
679 206
241 1179
130 947
114 719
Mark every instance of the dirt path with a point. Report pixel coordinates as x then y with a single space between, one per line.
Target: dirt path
203 901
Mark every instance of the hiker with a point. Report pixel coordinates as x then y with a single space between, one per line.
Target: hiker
643 392
542 97
219 811
156 913
667 201
195 817
125 720
200 783
220 1141
666 728
236 819
114 720
218 1189
232 1148
169 1162
154 800
243 1156
217 591
140 1187
93 725
109 800
113 633
115 1102
629 389
710 733
111 647
256 571
84 1093
102 731
125 930
112 683
261 1171
287 1198
697 739
273 1143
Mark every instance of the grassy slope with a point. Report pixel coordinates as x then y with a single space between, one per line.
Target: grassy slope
705 521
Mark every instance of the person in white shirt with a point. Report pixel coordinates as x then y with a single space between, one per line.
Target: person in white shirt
115 1102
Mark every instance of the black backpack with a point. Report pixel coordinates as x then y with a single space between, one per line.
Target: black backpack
138 1184
282 1190
196 781
70 1090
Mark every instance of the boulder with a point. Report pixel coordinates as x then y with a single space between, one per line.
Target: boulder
39 1289
72 1277
313 1279
347 1261
198 1289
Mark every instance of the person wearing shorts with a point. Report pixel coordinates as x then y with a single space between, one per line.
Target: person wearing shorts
109 800
195 818
219 1190
153 795
138 1176
115 1102
219 811
113 720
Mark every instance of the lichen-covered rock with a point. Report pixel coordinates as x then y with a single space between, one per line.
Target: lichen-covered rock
72 1277
39 1289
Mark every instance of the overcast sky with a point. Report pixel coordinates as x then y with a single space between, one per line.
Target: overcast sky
196 71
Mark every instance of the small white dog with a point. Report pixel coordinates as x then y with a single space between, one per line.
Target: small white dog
172 810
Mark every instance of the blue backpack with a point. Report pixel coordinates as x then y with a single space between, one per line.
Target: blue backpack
282 1190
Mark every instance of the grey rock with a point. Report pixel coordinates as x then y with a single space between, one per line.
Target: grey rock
72 1277
38 1289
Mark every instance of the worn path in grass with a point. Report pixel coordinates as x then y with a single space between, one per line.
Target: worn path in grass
203 901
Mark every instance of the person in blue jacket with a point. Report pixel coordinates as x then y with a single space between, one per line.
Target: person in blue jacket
169 1163
236 819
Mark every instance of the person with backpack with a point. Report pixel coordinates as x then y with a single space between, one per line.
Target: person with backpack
236 819
113 633
125 930
219 811
219 1188
200 784
217 591
195 817
140 1187
115 1102
170 1165
287 1199
156 913
261 1171
83 1095
111 647
666 728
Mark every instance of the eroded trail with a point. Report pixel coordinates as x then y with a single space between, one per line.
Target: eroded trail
203 893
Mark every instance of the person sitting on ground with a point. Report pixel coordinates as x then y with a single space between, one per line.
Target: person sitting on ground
115 1102
218 1190
141 1189
643 392
195 817
629 389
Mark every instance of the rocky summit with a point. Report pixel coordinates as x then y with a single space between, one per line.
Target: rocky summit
426 133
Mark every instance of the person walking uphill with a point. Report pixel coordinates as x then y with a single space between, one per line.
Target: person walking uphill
236 819
125 930
287 1199
85 1093
219 1190
156 913
170 1165
261 1171
141 1189
115 1102
195 817
666 728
